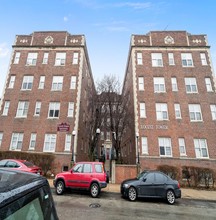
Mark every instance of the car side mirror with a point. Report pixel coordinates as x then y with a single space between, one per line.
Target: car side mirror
144 179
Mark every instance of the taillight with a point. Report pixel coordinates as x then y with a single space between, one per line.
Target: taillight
178 185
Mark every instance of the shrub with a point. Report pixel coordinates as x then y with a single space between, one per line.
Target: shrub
171 171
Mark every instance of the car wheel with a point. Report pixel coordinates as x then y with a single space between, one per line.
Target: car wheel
60 187
170 196
132 194
94 190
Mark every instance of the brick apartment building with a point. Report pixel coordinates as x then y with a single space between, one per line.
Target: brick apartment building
169 75
45 101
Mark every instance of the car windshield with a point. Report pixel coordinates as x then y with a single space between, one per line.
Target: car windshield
28 164
141 175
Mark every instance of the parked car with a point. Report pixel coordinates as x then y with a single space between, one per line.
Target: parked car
154 184
25 196
89 176
22 165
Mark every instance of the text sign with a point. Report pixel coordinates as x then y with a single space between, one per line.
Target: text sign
157 127
63 127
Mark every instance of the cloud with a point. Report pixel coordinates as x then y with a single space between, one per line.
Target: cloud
134 5
65 18
4 51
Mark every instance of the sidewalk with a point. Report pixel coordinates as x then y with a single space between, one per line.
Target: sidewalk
186 193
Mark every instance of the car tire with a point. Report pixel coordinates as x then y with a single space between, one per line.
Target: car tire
132 194
60 187
170 196
94 190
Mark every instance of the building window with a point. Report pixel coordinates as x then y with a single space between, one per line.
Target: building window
70 109
45 58
42 82
54 110
108 135
165 147
17 58
159 84
187 60
203 59
213 111
144 145
141 83
201 148
60 59
157 60
37 108
57 83
16 141
161 111
1 137
73 82
12 81
174 84
102 135
191 85
22 109
32 59
49 143
208 85
27 82
142 110
195 112
75 58
139 59
32 141
6 108
171 59
177 111
182 148
67 142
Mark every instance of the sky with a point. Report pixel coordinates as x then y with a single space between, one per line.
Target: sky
106 24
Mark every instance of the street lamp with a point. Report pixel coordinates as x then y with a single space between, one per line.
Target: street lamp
97 135
137 138
72 145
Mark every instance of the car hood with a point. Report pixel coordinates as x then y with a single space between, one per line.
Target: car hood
129 181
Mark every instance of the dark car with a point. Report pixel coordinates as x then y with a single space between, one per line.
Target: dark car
22 165
25 196
153 184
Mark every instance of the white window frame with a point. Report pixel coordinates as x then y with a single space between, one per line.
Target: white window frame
177 111
22 109
171 59
142 110
141 83
17 58
75 58
203 59
31 59
195 112
159 85
54 109
67 142
213 112
200 145
37 109
165 144
71 109
157 59
49 143
41 82
162 111
60 59
208 84
191 85
73 82
1 138
144 145
102 135
57 83
32 142
12 81
6 108
139 58
107 135
16 141
182 148
174 84
27 83
45 58
187 60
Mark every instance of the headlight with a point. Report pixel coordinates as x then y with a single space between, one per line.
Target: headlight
126 185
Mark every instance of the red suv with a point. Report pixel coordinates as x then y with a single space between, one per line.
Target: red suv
89 176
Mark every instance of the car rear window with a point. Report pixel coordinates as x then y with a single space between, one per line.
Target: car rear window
28 164
98 168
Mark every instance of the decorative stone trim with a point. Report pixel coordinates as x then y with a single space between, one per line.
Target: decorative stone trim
196 41
23 41
141 41
168 40
74 41
48 40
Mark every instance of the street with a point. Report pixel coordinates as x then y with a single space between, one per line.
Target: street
79 205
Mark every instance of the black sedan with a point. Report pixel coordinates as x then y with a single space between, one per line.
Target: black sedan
153 184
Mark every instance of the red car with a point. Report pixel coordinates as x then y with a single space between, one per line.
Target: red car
89 176
22 165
